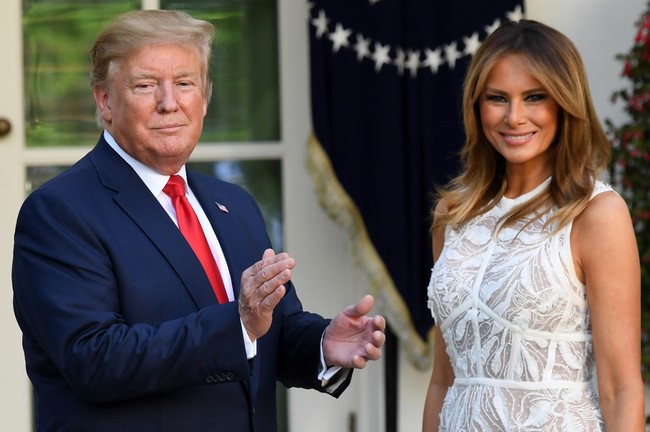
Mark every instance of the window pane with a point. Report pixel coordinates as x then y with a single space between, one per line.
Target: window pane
262 178
38 175
245 103
57 37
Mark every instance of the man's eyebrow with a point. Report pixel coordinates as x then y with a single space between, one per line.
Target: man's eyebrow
147 75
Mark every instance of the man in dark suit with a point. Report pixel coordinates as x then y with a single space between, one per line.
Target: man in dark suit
122 327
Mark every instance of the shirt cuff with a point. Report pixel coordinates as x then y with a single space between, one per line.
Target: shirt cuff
251 346
326 373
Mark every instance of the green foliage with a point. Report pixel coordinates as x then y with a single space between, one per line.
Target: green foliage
630 167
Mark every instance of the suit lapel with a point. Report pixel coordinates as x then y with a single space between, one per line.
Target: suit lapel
132 195
225 225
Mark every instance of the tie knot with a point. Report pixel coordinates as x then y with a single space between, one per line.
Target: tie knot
175 186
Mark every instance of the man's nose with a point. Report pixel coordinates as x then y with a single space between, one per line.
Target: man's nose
167 98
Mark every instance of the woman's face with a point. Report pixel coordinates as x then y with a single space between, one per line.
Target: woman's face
518 116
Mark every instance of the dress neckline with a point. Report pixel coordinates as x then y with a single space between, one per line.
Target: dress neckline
511 202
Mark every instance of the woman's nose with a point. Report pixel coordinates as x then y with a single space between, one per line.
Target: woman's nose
515 115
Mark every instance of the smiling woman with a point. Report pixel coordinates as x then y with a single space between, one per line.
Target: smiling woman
535 287
519 119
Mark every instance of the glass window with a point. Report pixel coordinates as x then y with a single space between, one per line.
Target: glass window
262 178
245 103
58 34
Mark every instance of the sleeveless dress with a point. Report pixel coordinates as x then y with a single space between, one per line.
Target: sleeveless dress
516 324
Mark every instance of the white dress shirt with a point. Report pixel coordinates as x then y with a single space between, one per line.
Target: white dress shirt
156 182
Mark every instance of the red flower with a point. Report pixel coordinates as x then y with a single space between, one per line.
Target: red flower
627 70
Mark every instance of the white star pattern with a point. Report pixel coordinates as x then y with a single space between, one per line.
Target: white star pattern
380 56
340 37
495 25
471 44
433 59
405 58
320 23
413 62
452 54
362 47
516 15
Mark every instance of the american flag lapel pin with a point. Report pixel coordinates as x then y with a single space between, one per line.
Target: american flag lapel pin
221 207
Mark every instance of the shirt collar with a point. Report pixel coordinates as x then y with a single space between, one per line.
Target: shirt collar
151 178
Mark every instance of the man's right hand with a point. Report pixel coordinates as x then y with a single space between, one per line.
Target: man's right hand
262 288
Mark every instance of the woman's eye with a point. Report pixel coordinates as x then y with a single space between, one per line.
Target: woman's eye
537 97
495 98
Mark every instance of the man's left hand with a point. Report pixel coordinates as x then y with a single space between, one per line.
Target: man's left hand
353 338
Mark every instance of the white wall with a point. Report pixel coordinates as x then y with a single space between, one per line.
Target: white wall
324 274
599 28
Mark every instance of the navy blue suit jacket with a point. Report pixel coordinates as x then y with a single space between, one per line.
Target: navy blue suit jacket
121 329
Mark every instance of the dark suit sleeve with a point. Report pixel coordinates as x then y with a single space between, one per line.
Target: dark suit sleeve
296 339
70 290
299 353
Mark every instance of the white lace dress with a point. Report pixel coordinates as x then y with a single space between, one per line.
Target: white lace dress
516 324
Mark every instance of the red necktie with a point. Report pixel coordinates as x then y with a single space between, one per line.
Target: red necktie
190 227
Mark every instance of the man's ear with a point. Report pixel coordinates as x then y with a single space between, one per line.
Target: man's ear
103 103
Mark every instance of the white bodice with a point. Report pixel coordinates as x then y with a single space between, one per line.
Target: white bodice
516 324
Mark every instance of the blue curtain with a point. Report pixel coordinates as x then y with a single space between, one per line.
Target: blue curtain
386 78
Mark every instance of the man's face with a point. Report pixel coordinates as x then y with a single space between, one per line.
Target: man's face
155 104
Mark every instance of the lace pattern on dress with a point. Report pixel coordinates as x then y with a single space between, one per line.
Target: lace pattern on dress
516 324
